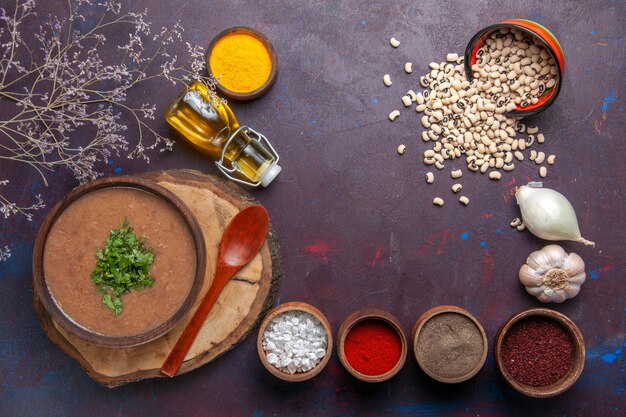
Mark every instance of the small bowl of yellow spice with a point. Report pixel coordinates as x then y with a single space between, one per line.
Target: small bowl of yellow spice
243 61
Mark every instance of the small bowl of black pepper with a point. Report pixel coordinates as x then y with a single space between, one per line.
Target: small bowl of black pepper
449 344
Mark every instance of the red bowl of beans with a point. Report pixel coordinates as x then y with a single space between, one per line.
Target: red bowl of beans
520 50
540 352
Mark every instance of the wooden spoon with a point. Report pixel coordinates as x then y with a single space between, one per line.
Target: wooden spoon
241 241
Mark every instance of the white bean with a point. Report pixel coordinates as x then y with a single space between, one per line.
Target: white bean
540 158
456 188
430 177
394 42
495 175
394 115
406 100
551 159
387 80
543 171
452 57
438 201
456 174
401 149
464 200
408 67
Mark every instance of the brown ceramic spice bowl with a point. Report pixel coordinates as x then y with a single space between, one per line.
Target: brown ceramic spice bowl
269 82
79 225
570 377
374 315
449 344
303 307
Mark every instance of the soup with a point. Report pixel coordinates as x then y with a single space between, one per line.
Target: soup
83 227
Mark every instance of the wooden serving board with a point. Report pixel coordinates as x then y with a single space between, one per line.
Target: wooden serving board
244 301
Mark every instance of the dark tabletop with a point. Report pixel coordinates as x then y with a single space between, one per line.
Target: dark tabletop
355 220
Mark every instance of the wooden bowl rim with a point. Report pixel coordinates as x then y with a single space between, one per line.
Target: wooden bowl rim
295 306
579 353
73 328
271 79
435 311
370 314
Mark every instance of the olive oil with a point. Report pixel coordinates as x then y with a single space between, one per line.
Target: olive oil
240 152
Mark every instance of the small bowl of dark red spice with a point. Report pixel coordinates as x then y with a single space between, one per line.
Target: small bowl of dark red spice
295 341
540 352
371 345
449 344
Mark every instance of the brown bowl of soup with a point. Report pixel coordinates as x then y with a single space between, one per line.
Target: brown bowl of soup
65 256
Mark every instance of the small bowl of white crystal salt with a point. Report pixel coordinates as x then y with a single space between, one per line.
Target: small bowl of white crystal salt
295 341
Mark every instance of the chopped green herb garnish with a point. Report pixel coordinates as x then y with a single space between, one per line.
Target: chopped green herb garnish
122 266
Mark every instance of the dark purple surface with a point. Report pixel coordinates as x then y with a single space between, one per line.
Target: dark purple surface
355 220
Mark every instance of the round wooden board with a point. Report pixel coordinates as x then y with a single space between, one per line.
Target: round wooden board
244 301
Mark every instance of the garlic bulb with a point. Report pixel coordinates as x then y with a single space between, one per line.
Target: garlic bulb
548 214
550 274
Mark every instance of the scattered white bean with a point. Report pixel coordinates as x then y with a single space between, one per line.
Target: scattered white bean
540 158
430 177
456 174
543 171
394 115
406 100
401 149
408 67
387 80
551 159
456 188
521 227
470 120
394 42
464 200
516 221
438 201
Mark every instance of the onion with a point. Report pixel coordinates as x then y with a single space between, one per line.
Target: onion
548 214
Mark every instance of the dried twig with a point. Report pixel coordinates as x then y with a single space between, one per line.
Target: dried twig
68 103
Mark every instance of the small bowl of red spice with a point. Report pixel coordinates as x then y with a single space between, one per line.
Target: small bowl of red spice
449 344
540 352
371 345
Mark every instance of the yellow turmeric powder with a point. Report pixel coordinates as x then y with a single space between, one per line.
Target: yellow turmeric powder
241 61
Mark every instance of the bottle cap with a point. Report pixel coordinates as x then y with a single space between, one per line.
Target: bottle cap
270 174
